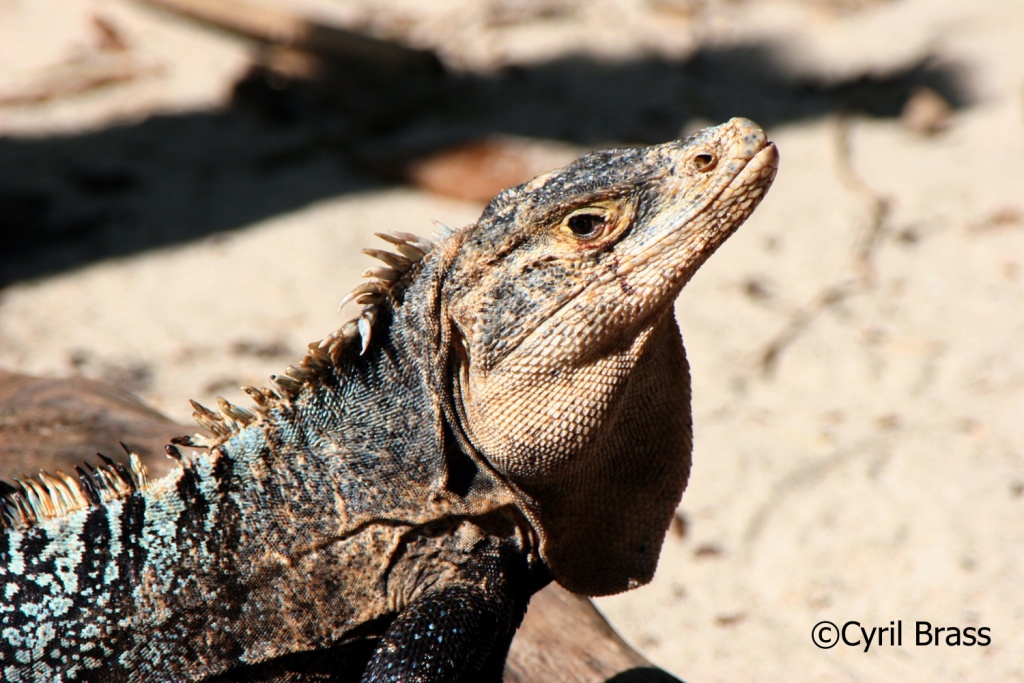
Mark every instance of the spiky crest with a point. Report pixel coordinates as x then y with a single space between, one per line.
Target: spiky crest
31 500
323 354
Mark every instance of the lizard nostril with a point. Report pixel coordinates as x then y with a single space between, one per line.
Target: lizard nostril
704 162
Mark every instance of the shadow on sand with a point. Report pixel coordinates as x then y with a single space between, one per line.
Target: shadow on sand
71 200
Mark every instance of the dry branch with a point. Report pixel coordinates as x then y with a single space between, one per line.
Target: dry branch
281 27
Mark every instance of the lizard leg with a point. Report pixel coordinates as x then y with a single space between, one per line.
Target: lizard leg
458 633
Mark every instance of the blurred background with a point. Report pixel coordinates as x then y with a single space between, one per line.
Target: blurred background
185 186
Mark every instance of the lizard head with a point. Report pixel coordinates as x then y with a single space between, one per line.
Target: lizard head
568 373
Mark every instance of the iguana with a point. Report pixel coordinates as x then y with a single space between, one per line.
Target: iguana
511 406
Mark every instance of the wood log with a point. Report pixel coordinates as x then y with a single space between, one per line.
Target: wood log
564 638
55 424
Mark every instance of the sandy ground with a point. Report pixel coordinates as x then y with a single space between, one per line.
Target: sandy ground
859 389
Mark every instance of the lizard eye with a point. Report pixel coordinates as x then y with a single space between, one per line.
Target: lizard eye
586 226
705 161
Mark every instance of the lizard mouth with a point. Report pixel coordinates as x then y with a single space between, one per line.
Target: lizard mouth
738 198
723 211
757 174
751 164
739 195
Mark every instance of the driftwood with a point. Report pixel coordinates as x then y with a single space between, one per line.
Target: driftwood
57 423
564 638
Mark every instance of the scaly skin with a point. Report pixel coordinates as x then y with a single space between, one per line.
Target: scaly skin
511 406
